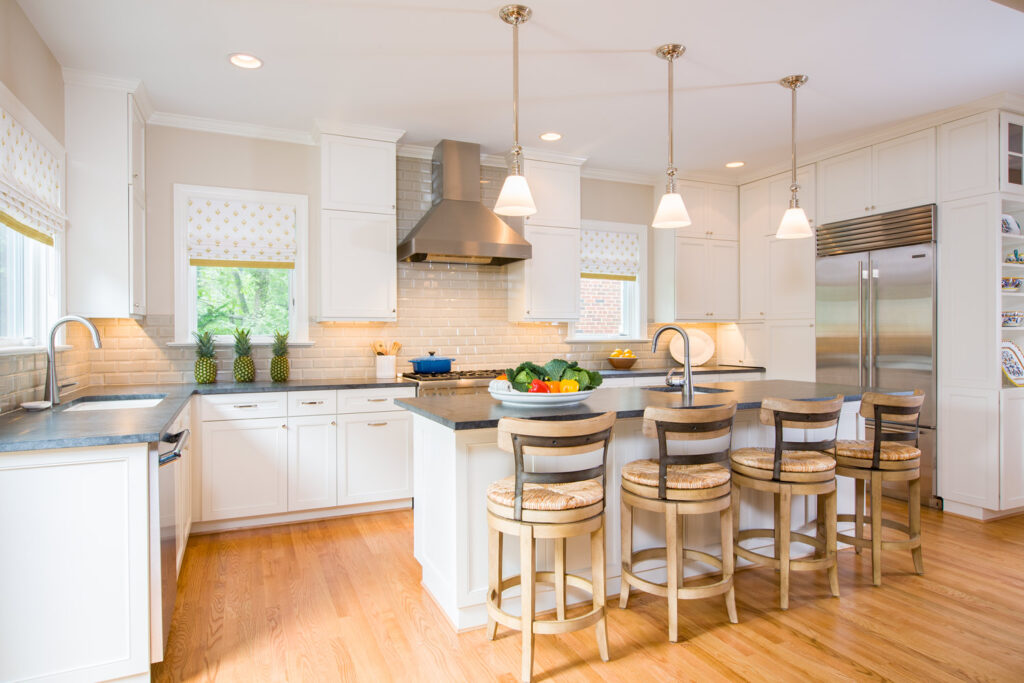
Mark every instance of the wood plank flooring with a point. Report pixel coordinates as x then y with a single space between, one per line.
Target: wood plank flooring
341 600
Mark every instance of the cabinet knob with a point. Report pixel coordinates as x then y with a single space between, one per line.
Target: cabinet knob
392 310
284 426
334 423
867 208
872 207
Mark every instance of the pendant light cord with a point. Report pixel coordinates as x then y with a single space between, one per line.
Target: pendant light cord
671 171
793 186
516 149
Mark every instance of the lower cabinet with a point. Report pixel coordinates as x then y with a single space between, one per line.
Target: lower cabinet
244 468
374 457
791 350
312 462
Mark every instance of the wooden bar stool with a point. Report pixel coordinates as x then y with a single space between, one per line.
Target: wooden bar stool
691 483
792 468
556 505
889 457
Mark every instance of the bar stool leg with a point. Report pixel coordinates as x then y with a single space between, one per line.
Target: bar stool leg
831 540
782 538
876 528
858 512
672 571
527 546
736 494
560 578
914 503
778 518
728 561
494 576
819 519
597 569
626 521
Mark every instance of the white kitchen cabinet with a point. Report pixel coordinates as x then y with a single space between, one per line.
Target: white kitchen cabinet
969 446
723 293
1011 153
695 198
106 200
968 159
845 186
791 278
546 287
1011 455
755 224
713 210
245 468
617 382
312 462
696 279
743 344
791 350
358 174
358 267
691 280
555 188
374 457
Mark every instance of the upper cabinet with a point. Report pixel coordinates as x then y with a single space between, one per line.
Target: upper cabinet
556 192
358 174
712 208
1011 153
968 156
105 135
895 174
696 279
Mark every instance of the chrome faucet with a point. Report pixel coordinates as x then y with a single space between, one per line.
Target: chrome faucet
52 391
687 387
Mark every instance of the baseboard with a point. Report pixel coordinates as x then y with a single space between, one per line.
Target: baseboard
976 513
216 526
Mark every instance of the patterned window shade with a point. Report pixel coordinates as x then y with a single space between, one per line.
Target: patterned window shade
609 255
243 234
30 183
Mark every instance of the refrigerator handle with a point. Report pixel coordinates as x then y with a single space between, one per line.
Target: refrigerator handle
861 276
872 322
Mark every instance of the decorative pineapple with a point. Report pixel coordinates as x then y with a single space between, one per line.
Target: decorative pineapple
206 366
245 368
279 363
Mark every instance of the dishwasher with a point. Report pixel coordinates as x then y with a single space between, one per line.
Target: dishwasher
163 530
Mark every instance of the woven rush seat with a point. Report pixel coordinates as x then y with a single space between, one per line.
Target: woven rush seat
792 461
679 477
549 497
864 450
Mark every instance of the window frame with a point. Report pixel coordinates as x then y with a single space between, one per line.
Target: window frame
638 326
185 305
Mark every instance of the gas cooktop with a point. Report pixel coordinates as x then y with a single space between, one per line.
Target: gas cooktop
463 377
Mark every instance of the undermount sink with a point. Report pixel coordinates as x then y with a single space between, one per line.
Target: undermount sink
696 390
115 403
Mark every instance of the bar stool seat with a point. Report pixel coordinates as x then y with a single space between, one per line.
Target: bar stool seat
792 461
865 450
547 497
679 477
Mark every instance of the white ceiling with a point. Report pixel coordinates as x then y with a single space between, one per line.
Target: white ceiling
443 69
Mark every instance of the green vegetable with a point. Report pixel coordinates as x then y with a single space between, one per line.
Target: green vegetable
555 368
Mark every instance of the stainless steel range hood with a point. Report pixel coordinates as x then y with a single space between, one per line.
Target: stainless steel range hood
458 228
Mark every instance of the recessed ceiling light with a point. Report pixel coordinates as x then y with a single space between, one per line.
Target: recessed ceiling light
550 137
735 164
244 61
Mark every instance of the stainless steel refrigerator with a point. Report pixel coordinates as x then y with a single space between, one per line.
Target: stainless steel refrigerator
876 312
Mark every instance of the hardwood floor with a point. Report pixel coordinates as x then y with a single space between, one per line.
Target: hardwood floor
341 600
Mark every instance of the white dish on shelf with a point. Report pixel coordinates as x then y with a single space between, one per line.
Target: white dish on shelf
523 399
1013 362
702 347
1010 225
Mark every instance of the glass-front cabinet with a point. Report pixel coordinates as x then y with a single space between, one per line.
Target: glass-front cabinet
1011 157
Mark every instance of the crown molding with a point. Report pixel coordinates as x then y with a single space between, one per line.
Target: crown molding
358 130
145 104
245 130
531 153
415 152
98 80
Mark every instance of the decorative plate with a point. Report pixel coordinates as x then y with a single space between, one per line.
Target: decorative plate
1013 362
519 398
702 347
1010 225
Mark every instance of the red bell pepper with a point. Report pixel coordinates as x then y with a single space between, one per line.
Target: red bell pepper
537 386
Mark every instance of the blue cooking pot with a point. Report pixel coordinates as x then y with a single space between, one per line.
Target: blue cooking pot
431 363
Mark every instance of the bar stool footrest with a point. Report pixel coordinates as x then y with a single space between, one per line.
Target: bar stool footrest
808 563
545 626
685 592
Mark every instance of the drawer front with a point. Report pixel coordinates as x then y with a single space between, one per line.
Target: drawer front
312 403
371 400
244 406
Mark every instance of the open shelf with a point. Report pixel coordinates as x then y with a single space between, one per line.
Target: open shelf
1013 266
1012 239
1011 330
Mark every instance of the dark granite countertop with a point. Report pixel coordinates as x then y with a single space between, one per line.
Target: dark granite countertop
57 428
476 411
697 370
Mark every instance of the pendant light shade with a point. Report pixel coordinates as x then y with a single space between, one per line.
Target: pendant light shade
515 198
671 211
794 224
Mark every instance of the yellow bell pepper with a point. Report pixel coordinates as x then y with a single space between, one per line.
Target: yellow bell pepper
569 386
554 386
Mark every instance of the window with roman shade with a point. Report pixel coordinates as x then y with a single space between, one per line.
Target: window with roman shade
30 183
609 255
613 282
239 233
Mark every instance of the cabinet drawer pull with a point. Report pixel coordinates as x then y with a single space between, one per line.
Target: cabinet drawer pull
376 400
247 405
312 403
376 424
334 423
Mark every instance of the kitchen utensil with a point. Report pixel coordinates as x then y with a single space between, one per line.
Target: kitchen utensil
33 406
395 347
519 398
1013 362
702 348
1010 225
622 363
1013 318
431 364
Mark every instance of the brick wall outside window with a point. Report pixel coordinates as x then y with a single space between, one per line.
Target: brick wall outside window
600 307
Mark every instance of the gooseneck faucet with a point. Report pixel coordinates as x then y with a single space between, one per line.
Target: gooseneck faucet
688 378
52 391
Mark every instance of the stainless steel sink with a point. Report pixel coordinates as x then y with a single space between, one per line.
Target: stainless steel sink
696 390
114 402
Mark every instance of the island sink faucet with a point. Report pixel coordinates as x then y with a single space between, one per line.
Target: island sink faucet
672 379
52 391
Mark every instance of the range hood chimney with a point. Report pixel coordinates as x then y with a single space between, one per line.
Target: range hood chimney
458 228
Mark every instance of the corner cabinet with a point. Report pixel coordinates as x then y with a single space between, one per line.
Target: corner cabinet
106 238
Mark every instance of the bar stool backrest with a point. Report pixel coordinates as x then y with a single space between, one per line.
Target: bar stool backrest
784 413
521 437
897 418
688 424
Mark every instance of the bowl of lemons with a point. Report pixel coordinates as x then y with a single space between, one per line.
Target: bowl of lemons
622 359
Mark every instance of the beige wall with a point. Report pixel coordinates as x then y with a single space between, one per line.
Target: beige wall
29 69
604 200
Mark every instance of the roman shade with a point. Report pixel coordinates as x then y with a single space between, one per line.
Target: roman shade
238 233
609 255
30 183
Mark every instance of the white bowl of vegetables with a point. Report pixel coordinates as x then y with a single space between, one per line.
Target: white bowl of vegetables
556 383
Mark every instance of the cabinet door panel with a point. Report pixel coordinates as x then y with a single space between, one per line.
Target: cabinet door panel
903 172
691 279
358 175
244 468
791 347
968 156
1011 461
374 457
723 289
312 462
137 249
790 278
695 197
358 270
968 454
553 274
1011 153
754 231
723 213
556 192
845 186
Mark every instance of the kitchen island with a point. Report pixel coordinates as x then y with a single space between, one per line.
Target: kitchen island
455 457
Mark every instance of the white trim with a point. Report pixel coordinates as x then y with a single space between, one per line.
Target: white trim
245 130
358 130
641 282
427 153
215 526
24 116
184 274
619 176
145 104
552 157
97 80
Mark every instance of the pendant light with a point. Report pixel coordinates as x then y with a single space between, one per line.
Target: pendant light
515 198
794 223
671 211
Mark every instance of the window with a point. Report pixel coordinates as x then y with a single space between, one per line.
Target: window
27 288
241 263
613 271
